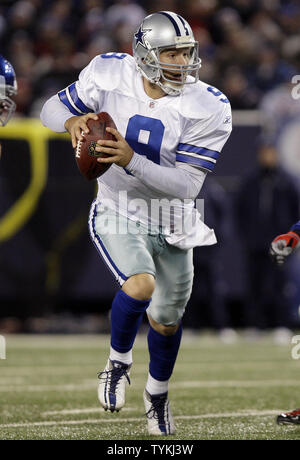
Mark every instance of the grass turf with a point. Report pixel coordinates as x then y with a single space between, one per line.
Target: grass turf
48 390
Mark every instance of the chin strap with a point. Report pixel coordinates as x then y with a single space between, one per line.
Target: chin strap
166 86
169 89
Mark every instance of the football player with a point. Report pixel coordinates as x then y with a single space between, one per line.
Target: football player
281 247
8 88
171 128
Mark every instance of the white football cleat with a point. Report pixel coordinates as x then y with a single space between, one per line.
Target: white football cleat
113 381
158 413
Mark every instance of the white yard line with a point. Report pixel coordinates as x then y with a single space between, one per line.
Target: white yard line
91 384
44 369
54 341
88 410
234 383
41 388
245 413
12 380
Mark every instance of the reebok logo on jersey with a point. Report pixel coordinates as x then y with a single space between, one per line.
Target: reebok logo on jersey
227 120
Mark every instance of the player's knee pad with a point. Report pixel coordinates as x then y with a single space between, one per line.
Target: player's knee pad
169 308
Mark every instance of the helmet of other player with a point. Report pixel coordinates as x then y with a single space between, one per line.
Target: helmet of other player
159 32
8 88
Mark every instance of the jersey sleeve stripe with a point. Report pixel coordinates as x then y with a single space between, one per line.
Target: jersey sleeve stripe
195 155
72 102
209 165
64 99
76 99
199 150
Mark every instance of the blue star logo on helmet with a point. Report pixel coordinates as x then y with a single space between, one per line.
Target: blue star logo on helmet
139 36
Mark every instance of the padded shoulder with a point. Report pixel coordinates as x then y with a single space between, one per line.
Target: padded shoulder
114 71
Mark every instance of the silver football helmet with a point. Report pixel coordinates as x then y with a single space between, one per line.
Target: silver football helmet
158 32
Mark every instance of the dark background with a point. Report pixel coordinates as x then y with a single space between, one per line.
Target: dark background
49 268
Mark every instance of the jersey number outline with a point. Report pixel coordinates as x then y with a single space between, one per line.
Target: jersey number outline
113 55
138 123
217 93
155 128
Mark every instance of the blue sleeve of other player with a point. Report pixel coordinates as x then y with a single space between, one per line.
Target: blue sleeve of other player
296 227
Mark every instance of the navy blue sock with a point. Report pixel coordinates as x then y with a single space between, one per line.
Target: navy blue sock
163 352
126 316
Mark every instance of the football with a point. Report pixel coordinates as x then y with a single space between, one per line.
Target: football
85 153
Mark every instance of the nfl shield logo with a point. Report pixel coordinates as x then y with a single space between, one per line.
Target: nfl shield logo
151 104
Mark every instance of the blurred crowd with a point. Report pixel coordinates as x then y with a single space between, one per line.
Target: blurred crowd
248 47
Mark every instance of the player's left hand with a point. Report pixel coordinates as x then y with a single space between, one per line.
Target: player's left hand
119 151
283 245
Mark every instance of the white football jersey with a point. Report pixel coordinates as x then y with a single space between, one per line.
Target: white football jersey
171 131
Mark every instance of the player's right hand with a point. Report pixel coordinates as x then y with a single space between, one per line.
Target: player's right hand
76 125
283 245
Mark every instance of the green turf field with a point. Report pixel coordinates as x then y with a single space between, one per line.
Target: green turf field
48 390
